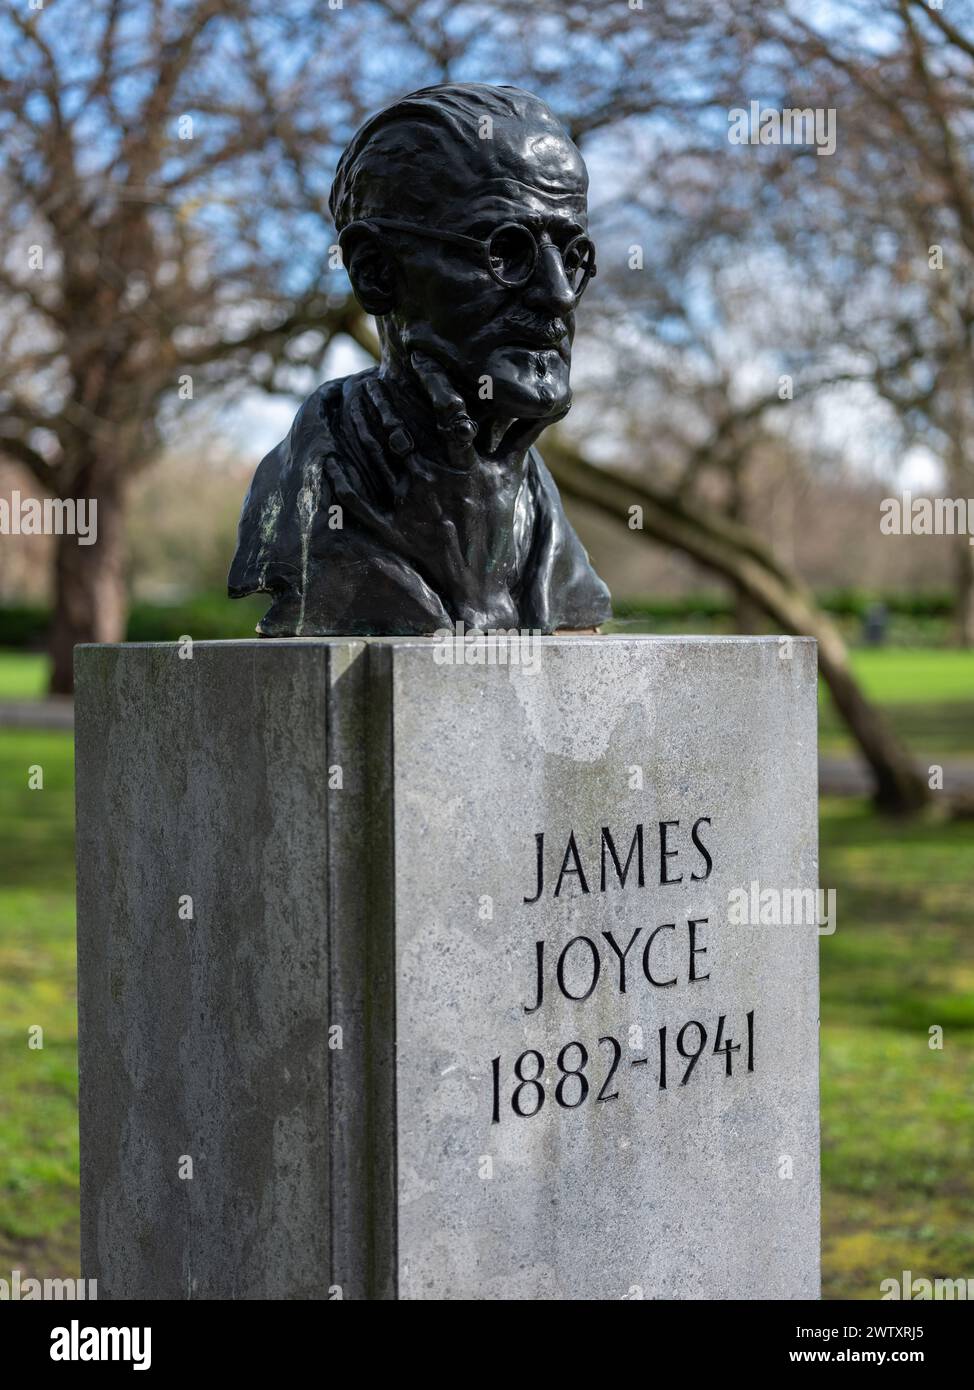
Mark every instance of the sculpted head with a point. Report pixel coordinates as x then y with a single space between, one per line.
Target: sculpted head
495 166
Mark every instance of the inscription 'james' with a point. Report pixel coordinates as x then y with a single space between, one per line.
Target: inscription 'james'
573 869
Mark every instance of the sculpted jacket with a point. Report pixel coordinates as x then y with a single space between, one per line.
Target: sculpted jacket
352 534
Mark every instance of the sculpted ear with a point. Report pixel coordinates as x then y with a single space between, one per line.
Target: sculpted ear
370 268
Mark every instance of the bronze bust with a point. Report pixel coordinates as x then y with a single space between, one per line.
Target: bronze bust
410 497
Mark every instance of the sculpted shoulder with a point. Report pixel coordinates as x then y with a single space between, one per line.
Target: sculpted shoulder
268 554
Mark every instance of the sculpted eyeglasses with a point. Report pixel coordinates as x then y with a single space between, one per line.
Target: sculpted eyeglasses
509 255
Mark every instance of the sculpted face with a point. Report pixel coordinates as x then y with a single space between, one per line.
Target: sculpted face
447 305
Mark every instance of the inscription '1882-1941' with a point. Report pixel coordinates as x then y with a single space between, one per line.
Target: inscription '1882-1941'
575 970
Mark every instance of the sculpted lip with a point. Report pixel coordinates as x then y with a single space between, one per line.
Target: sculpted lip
533 333
536 341
544 342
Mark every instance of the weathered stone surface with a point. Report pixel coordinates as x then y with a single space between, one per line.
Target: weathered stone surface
209 1038
394 908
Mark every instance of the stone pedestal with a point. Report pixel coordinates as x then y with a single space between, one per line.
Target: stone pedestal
419 971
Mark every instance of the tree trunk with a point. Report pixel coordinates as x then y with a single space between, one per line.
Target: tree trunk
748 616
90 600
735 553
964 590
960 481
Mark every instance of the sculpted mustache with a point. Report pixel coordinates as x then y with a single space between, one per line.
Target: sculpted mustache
546 329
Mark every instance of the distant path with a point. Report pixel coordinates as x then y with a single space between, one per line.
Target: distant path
838 776
54 712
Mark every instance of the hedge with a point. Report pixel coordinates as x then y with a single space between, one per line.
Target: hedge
212 615
204 616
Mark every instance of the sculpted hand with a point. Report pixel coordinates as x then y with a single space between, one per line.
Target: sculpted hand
464 446
397 524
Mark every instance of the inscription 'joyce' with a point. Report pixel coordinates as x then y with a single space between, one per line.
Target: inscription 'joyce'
578 967
670 866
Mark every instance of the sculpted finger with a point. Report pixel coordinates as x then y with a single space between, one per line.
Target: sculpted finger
372 445
397 437
352 501
452 419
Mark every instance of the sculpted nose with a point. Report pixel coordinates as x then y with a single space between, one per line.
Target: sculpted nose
549 287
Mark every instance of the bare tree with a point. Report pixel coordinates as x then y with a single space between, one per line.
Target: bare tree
891 215
160 204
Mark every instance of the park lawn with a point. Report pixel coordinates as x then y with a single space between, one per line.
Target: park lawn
897 1117
23 675
927 694
38 1086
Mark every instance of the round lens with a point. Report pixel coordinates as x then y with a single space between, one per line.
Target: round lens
579 258
512 252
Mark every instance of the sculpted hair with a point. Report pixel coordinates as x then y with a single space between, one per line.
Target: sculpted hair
412 155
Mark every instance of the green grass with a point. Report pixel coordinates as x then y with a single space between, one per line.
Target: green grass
23 675
38 1086
898 675
897 1117
927 694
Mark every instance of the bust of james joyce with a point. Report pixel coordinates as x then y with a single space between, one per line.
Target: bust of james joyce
411 496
